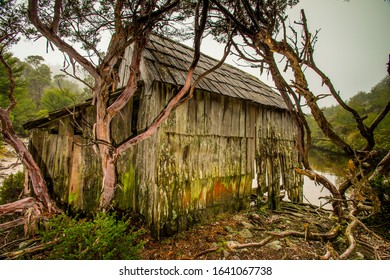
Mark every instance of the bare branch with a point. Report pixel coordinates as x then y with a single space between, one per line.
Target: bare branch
61 44
229 15
328 185
380 117
364 130
204 74
74 76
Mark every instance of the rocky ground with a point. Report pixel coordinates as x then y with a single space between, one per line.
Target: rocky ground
258 234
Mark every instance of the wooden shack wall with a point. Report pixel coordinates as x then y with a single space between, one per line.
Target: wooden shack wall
277 156
64 151
202 160
199 163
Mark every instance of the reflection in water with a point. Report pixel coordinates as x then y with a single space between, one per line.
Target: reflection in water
330 165
312 192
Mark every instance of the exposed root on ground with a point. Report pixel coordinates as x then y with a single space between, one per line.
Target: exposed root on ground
294 232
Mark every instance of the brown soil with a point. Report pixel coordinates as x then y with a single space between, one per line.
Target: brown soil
215 240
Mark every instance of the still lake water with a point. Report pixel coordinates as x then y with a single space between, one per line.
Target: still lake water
332 166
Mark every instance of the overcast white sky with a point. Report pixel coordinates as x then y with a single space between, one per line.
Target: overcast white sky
353 46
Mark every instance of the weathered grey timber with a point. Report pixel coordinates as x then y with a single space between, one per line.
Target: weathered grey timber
199 163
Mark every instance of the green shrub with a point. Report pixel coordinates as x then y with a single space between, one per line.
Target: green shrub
103 238
12 188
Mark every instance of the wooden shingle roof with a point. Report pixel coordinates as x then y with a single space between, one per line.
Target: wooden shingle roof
168 61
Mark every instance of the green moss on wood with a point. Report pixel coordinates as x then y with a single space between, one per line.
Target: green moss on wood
126 189
72 198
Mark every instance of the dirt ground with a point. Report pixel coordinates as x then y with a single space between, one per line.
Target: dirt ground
251 229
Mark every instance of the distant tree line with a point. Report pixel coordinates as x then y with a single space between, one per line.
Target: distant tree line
368 104
37 91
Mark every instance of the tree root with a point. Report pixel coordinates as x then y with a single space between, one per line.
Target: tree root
347 230
31 250
30 211
352 241
12 224
332 234
262 243
211 250
372 249
351 238
18 206
331 253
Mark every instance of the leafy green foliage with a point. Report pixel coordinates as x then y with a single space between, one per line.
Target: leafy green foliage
55 98
62 93
11 22
25 108
38 77
12 188
366 104
35 93
103 238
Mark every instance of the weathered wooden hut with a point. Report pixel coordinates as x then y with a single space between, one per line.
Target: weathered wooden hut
200 162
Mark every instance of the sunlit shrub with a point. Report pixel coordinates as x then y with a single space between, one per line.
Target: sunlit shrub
102 238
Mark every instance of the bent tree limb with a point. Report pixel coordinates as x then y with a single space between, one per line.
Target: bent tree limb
38 183
337 202
200 22
302 88
41 204
367 132
382 169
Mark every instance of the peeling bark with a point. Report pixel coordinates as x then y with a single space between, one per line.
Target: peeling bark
13 224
